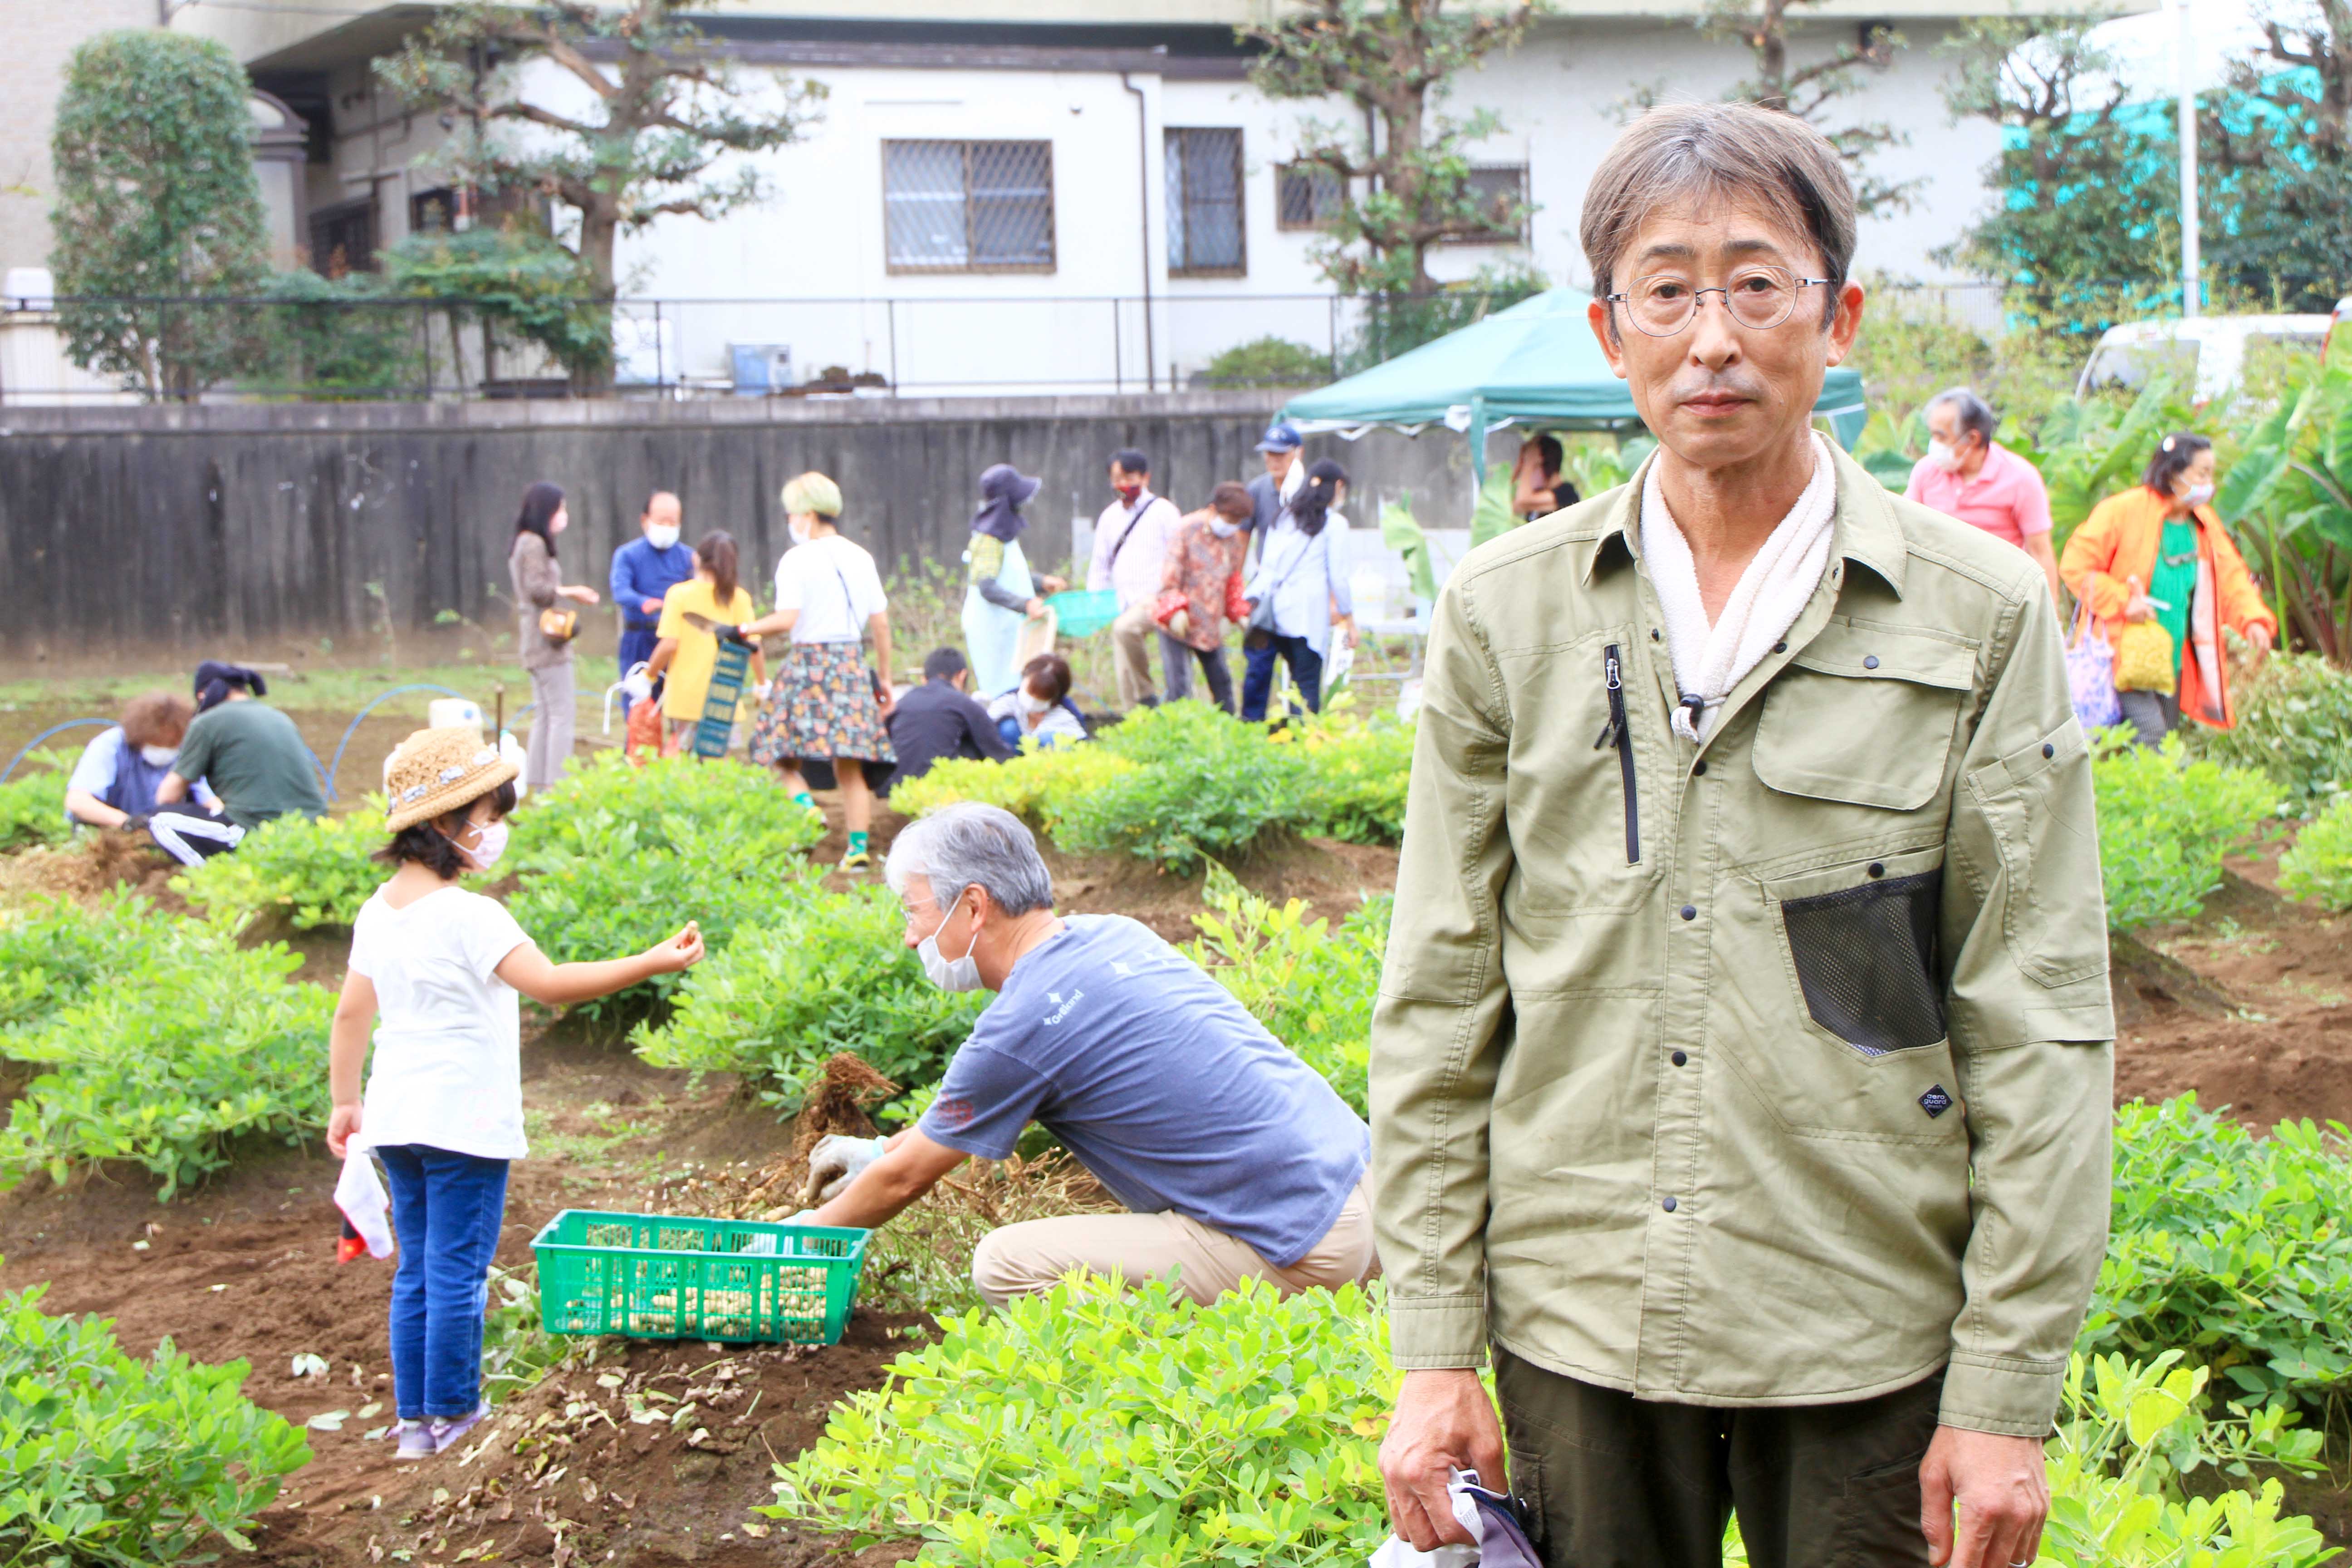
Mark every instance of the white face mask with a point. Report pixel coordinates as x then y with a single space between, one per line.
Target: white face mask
661 535
159 756
949 973
1945 455
2198 494
799 534
1032 703
1222 529
489 843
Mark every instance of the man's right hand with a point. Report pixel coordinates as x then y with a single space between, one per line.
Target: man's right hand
1443 1422
649 607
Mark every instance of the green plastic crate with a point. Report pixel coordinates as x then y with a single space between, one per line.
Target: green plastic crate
1081 612
662 1276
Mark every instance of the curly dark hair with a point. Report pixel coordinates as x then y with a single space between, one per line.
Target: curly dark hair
433 845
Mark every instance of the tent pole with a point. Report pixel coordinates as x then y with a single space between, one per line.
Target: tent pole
1477 454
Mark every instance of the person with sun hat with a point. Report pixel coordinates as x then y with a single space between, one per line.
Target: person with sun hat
435 973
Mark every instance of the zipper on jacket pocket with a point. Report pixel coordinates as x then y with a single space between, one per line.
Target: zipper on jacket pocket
1612 673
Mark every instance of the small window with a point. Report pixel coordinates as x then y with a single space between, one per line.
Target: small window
434 212
1306 196
1204 203
968 207
342 238
1501 190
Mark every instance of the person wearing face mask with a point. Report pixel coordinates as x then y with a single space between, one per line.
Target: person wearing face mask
1001 595
644 570
2157 551
1038 713
436 973
1204 564
114 784
1132 541
1969 475
1234 1159
545 629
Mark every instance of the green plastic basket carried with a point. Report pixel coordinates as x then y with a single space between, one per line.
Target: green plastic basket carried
1082 611
670 1278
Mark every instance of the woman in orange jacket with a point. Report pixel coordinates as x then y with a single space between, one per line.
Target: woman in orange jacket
2156 552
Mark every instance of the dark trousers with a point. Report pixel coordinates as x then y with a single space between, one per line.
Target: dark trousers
2152 715
637 646
447 1208
1257 675
1220 678
1611 1481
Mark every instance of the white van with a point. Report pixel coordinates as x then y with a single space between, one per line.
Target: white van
2208 353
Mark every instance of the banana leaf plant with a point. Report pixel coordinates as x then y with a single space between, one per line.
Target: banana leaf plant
2289 500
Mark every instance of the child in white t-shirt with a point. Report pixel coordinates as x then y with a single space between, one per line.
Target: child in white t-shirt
443 1107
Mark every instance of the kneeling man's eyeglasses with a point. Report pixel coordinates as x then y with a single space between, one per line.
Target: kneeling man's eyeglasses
1662 304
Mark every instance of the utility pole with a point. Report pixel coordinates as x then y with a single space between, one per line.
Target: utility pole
2192 302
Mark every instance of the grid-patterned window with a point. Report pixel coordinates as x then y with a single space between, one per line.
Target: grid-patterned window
1305 195
968 207
342 238
1502 190
1204 203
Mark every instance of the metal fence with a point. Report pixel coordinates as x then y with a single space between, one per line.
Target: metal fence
68 351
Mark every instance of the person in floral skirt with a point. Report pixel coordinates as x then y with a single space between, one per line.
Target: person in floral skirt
1205 559
825 704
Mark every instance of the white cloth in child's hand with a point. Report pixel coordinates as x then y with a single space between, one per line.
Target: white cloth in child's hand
358 1192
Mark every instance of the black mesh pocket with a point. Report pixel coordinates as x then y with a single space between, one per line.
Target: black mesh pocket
1866 959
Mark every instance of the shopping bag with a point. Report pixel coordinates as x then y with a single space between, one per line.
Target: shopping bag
2091 673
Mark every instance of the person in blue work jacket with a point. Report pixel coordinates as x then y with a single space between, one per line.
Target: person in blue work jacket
643 570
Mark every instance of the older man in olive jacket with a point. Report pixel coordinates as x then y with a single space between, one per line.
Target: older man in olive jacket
1742 1068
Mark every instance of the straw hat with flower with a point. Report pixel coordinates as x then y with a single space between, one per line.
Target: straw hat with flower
435 772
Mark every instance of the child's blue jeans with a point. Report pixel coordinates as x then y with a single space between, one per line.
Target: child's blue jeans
447 1209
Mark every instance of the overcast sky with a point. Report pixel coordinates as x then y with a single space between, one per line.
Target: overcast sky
2148 47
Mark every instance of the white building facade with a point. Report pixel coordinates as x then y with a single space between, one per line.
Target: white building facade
1059 196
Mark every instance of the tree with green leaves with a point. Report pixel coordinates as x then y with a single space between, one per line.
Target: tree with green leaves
662 113
157 202
1405 185
1810 90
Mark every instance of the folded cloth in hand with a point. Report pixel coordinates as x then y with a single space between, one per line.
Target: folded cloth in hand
1491 1518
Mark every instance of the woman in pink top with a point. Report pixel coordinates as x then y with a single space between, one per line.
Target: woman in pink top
1965 476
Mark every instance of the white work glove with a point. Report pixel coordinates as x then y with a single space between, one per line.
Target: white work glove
836 1160
637 686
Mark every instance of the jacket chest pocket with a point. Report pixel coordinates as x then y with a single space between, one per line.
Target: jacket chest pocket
1587 802
1864 716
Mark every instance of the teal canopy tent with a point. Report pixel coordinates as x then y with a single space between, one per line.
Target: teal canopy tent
1535 365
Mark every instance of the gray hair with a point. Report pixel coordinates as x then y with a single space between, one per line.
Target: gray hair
971 843
1712 156
1971 411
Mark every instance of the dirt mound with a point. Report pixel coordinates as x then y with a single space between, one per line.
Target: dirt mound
91 867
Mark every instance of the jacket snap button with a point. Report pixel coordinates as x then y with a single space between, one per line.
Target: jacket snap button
1667 1204
1699 766
1780 648
1680 1059
2049 751
1653 634
1870 661
1690 911
1877 870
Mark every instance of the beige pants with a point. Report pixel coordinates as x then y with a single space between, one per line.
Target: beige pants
1131 640
1028 1258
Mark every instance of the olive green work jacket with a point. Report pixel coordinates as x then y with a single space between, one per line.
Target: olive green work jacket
1772 1070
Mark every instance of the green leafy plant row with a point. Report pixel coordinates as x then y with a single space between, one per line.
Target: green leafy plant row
317 872
2319 867
2165 825
152 1040
2294 723
835 973
108 1461
33 804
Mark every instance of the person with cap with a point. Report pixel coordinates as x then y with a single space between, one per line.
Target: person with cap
644 570
1132 538
1001 596
1234 1159
826 705
941 720
114 784
436 974
1284 474
251 755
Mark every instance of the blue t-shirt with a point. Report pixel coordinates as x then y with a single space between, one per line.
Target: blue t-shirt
1161 1084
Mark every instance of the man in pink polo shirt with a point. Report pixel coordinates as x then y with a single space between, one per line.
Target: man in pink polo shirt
1969 476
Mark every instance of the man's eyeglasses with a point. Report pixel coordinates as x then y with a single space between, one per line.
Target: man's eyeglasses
1662 304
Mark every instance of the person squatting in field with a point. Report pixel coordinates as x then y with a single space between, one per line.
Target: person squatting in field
1742 1072
1235 1158
436 973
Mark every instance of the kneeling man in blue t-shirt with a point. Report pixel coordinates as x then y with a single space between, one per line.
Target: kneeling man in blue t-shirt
1236 1159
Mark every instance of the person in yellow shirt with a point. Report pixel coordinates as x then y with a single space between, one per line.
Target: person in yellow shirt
685 655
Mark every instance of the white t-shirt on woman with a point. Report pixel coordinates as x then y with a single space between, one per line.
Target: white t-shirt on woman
834 586
447 1071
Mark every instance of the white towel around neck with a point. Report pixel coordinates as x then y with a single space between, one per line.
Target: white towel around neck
1710 660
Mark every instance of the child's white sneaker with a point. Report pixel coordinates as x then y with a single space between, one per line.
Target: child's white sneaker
447 1435
416 1440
